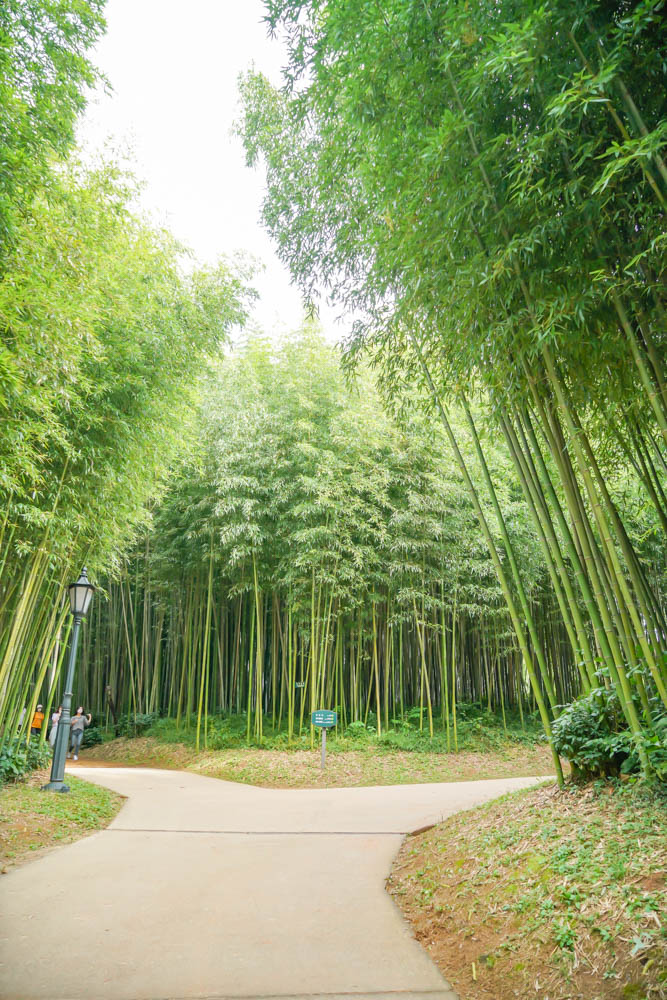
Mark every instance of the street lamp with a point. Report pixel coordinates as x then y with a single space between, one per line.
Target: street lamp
80 596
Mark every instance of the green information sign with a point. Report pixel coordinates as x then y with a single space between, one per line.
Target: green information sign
323 718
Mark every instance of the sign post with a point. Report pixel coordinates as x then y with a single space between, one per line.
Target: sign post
323 719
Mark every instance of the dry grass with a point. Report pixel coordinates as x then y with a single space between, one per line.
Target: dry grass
544 894
301 768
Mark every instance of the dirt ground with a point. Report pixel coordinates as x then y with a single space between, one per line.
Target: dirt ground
544 895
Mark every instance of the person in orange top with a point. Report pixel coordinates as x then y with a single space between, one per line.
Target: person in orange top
37 720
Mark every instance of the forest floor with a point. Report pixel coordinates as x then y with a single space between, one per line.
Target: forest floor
33 821
544 894
344 768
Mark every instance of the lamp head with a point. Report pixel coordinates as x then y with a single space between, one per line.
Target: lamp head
80 594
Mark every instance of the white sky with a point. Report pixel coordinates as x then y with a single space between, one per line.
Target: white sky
173 66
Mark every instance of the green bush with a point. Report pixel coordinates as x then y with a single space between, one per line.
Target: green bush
593 735
92 737
357 731
655 745
219 736
136 724
18 758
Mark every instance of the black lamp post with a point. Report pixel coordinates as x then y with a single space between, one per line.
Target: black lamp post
80 596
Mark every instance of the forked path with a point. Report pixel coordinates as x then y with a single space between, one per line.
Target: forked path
209 889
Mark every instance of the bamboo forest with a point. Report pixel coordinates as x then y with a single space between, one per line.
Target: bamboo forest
461 502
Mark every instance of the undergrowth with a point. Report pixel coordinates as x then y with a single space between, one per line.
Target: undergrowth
19 758
477 729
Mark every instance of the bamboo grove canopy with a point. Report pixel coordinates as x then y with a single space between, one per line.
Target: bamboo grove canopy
483 513
485 185
320 551
105 331
317 542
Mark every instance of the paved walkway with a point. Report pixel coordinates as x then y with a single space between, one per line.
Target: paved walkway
210 889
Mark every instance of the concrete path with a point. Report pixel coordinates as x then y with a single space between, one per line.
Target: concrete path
210 889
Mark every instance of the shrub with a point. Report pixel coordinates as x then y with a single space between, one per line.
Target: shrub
357 731
407 739
655 745
92 737
18 758
471 710
136 724
219 736
593 736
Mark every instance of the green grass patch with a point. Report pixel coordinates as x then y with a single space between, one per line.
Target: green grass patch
31 819
300 768
356 755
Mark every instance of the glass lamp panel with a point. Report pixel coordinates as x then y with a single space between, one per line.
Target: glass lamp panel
86 597
80 595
